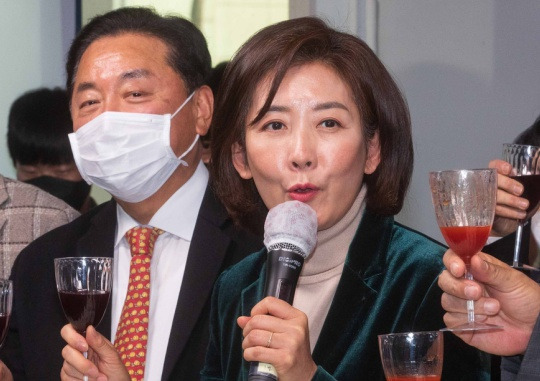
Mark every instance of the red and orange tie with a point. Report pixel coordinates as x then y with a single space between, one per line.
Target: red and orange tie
132 332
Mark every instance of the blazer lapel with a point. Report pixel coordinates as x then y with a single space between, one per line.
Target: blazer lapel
99 242
206 253
364 260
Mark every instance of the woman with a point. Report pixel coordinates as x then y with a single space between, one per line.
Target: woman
311 114
308 113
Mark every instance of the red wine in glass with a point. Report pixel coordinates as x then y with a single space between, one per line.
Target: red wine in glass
531 191
4 320
84 286
466 241
464 202
83 308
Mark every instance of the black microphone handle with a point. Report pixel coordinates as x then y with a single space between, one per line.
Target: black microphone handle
282 271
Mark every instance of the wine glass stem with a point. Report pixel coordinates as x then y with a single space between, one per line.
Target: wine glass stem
470 303
85 354
517 244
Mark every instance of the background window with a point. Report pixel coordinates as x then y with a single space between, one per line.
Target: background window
226 24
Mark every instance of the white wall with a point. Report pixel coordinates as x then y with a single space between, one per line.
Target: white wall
34 37
470 71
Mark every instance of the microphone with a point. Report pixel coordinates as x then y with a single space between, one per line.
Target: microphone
290 235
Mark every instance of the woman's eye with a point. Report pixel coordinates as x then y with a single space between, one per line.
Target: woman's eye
330 123
274 126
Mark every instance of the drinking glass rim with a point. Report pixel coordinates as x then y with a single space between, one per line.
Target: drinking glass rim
520 145
463 170
405 334
71 258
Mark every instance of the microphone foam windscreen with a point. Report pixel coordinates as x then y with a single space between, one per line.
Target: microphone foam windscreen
291 224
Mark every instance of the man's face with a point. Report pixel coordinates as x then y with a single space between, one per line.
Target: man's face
129 73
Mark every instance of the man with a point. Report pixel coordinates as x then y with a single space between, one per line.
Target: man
127 72
503 296
38 126
26 213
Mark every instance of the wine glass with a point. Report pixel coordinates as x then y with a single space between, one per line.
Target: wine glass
84 287
412 355
525 169
6 301
464 202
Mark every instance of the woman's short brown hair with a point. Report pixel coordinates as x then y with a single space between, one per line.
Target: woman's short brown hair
272 51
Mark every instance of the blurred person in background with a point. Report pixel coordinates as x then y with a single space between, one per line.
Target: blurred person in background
511 207
213 82
26 213
38 126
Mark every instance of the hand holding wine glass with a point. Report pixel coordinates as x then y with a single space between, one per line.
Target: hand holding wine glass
504 296
464 202
84 287
525 163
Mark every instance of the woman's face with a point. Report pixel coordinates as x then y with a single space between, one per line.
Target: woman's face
309 146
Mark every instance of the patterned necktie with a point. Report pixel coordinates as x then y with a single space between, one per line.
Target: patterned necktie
132 332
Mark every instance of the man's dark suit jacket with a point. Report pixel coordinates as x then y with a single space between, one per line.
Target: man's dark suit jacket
526 367
33 346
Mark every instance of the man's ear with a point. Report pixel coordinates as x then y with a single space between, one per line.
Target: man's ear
204 99
240 161
373 157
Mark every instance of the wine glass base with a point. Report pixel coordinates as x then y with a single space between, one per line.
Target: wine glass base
471 327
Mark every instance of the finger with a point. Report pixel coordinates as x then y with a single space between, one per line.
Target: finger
459 287
509 185
76 365
68 372
495 273
99 344
73 338
242 321
501 166
261 338
266 323
275 307
454 263
452 319
509 205
483 306
65 377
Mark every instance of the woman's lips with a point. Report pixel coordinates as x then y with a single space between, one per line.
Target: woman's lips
303 192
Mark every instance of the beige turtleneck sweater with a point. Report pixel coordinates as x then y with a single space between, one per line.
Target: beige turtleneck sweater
322 270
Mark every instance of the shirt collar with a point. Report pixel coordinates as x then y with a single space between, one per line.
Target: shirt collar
178 214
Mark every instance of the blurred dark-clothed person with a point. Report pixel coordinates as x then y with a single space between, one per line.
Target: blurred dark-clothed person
38 126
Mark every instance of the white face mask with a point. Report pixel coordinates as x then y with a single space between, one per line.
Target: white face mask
127 154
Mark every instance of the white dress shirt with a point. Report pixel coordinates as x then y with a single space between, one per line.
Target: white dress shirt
177 219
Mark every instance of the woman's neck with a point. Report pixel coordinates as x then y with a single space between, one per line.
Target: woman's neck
333 243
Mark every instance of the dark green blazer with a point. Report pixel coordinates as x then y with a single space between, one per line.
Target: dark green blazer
388 284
